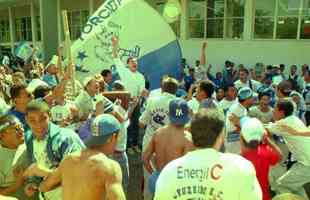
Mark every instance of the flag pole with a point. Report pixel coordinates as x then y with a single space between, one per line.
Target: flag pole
71 67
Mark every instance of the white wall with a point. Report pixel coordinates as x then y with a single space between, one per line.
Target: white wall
248 52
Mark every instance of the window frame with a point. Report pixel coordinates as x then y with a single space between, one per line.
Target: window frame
276 17
224 18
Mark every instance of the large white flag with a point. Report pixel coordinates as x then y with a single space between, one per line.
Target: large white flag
142 33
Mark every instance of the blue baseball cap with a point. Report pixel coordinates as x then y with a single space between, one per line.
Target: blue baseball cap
102 128
245 93
179 112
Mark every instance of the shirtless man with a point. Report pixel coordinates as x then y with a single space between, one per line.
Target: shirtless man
169 142
90 174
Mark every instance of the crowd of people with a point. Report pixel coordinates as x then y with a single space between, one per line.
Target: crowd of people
205 136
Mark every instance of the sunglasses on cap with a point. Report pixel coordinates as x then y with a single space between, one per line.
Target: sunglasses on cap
9 124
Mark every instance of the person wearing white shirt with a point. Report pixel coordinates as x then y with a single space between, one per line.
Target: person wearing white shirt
85 101
134 83
239 109
298 175
133 80
205 173
64 111
158 91
156 115
263 111
229 99
245 81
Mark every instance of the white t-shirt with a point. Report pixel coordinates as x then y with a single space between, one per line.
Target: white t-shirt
84 103
10 159
264 117
40 155
298 145
200 72
121 143
205 174
193 104
225 104
239 111
156 115
255 85
60 113
155 92
134 82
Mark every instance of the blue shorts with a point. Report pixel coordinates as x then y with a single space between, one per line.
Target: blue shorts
152 181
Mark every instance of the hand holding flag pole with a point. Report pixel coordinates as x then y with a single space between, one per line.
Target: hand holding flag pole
71 67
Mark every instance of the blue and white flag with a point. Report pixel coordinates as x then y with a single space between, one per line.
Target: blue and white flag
23 50
142 33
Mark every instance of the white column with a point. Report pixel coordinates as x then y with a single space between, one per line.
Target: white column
91 7
184 20
12 29
59 22
249 20
299 19
33 23
275 18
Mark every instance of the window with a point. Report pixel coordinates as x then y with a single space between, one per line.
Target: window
305 20
282 19
197 12
264 19
216 18
175 26
4 31
287 19
23 29
76 20
38 28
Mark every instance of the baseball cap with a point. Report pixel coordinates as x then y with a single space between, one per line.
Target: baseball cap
252 129
245 93
179 112
87 80
102 128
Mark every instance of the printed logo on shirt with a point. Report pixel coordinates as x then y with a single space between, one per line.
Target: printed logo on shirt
159 118
199 191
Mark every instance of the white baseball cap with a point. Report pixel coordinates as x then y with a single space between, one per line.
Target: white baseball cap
252 129
87 80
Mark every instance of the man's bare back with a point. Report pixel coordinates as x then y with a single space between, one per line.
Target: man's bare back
88 175
168 143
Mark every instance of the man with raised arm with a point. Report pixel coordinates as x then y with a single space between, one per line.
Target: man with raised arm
200 68
134 83
90 174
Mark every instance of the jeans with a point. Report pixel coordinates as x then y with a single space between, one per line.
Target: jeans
122 159
133 128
